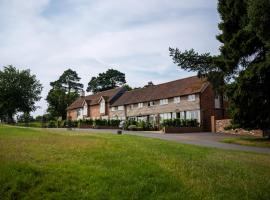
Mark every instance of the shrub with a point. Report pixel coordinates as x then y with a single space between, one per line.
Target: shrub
145 125
180 123
114 122
100 122
129 122
132 127
51 124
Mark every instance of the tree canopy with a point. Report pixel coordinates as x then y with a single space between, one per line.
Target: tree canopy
242 68
19 91
108 80
64 91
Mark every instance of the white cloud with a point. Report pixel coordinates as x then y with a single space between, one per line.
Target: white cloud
90 36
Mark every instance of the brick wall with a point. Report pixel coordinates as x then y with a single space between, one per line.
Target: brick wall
207 102
118 113
94 112
72 114
221 124
184 105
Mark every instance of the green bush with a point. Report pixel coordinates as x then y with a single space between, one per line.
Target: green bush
180 123
132 127
145 125
129 122
52 124
114 122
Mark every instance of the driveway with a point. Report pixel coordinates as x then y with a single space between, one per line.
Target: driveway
206 139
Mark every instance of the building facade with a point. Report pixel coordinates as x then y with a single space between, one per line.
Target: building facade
188 98
96 106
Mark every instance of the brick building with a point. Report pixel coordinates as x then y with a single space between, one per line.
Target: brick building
188 98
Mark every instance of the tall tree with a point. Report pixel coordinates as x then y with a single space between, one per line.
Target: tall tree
242 68
19 91
104 81
64 91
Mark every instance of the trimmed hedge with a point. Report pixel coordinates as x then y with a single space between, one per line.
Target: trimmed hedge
180 123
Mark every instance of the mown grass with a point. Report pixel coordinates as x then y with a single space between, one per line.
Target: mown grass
249 141
30 124
42 164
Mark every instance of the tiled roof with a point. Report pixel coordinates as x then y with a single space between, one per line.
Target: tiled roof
175 88
94 98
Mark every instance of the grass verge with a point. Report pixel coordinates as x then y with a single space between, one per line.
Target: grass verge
43 164
249 141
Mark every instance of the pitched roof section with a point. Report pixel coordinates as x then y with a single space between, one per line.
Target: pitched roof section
93 99
175 88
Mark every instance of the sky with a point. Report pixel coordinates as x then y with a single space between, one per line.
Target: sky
91 36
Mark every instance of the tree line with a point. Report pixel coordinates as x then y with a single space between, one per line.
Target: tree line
20 90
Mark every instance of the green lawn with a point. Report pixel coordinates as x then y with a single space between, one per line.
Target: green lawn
250 141
42 164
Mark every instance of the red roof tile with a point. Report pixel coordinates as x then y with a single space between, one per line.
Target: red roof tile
175 88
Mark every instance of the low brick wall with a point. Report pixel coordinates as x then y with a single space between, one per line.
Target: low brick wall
85 126
181 129
106 127
221 124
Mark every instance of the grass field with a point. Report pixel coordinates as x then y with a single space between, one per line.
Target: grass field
42 164
249 141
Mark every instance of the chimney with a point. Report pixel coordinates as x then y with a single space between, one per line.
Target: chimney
82 94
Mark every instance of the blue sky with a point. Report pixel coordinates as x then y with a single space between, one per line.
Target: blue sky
90 36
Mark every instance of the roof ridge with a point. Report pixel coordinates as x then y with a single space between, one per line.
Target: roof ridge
103 92
164 83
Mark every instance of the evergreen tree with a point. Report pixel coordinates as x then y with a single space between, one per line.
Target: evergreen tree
242 68
105 81
64 91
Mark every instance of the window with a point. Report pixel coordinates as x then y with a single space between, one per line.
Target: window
140 105
131 106
163 101
120 107
217 102
194 114
151 103
79 112
191 97
182 115
102 107
114 108
165 116
176 99
85 110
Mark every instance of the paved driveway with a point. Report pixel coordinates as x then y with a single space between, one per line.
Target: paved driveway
206 139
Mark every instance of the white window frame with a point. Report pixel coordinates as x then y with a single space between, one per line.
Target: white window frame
114 108
163 101
102 108
176 99
140 105
164 116
193 114
191 97
151 103
85 108
120 108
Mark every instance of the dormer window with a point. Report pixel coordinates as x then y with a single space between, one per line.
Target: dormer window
163 101
176 99
191 97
